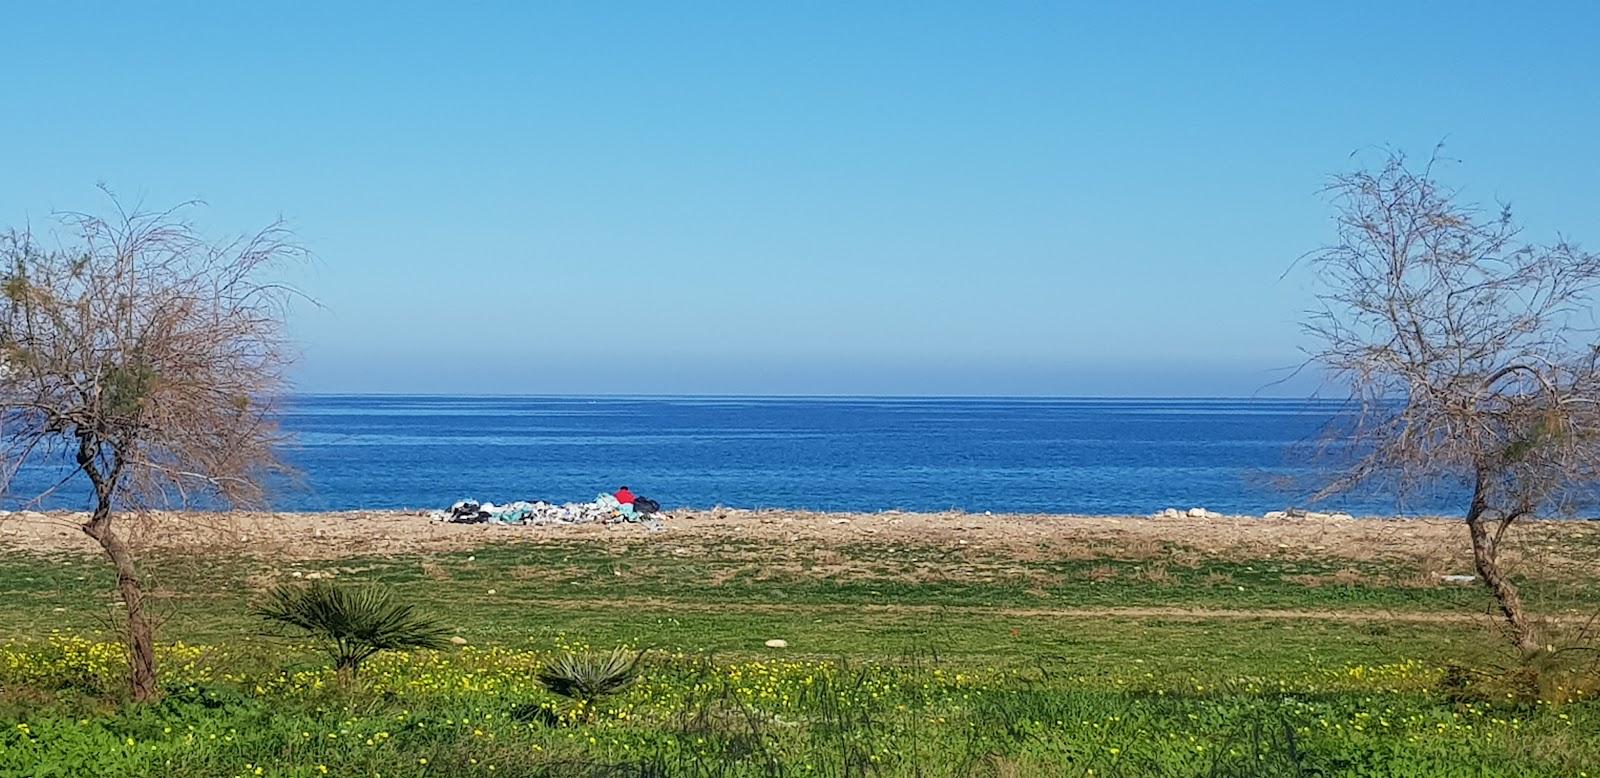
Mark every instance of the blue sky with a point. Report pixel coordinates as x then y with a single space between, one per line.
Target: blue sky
917 198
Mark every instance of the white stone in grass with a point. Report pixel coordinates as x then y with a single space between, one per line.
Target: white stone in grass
777 643
458 641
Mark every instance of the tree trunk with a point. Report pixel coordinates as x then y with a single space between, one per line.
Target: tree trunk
1486 557
140 636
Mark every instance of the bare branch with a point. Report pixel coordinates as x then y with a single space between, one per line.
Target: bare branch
1470 356
149 359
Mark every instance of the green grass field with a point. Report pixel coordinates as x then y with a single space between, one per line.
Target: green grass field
901 660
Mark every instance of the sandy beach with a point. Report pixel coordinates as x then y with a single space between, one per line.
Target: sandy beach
1561 547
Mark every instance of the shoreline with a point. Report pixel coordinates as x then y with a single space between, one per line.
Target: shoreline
283 537
692 513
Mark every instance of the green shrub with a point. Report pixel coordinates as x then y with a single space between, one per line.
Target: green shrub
352 623
588 678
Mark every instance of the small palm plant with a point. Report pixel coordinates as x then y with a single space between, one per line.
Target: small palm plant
352 623
587 678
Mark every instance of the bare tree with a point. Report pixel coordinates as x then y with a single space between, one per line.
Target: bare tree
144 360
1470 355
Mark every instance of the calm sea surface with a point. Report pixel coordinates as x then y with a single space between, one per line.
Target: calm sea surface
1056 455
1049 455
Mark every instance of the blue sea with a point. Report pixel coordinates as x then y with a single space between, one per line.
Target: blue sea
1089 456
1093 456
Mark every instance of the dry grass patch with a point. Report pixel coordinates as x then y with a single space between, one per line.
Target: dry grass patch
262 580
725 573
1348 576
1185 559
1142 547
549 573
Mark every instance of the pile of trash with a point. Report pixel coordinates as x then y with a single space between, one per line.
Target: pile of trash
603 510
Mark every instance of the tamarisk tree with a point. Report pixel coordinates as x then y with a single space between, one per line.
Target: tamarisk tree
140 361
1470 354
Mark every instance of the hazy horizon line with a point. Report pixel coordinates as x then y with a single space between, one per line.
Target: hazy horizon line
815 396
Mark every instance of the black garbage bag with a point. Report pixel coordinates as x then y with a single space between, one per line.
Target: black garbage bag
468 513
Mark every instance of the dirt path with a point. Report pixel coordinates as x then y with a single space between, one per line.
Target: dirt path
650 605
